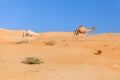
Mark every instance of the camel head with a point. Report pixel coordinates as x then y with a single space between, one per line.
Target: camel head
93 28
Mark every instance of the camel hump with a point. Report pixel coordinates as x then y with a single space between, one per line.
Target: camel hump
81 26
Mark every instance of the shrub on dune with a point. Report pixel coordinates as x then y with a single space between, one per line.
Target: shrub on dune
32 60
50 43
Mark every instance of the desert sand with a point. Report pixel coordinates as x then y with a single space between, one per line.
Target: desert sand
67 59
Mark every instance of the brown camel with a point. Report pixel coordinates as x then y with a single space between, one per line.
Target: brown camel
29 33
82 30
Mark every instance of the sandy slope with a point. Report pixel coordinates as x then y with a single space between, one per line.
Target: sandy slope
67 60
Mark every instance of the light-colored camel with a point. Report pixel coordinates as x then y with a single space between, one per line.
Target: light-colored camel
82 30
29 33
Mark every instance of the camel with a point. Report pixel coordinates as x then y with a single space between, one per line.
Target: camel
82 30
29 33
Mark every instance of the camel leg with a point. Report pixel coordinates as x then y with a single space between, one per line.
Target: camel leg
88 36
83 37
31 37
75 37
76 34
24 38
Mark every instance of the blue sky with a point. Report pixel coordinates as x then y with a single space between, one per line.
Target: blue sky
60 15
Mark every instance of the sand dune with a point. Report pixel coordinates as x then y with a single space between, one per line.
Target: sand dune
67 59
